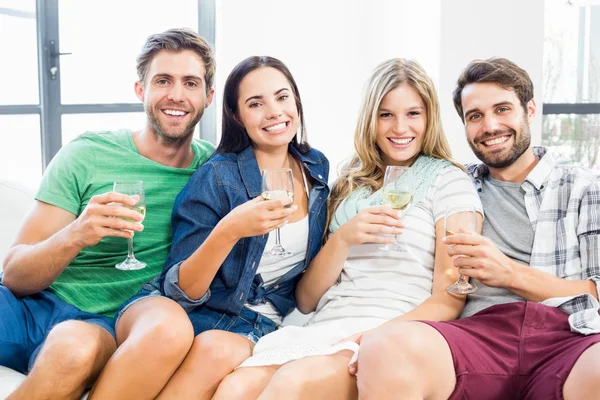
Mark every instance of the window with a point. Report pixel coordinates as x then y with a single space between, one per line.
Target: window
100 67
20 153
571 122
73 70
575 138
17 20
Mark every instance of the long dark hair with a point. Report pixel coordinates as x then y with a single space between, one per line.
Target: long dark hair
234 137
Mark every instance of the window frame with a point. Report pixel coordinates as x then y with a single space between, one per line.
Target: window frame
577 107
50 109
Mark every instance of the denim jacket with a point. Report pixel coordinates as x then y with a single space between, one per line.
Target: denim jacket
221 184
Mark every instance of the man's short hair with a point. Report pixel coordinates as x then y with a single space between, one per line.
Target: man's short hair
178 39
500 71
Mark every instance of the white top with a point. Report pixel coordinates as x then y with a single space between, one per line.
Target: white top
294 238
385 284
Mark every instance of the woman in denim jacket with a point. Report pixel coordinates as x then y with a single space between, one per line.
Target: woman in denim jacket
216 269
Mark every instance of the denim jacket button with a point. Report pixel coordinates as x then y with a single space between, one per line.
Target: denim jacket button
276 287
320 177
242 295
254 265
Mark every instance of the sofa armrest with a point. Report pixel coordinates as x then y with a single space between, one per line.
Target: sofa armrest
15 201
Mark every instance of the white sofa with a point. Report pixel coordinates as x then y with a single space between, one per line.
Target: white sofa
15 201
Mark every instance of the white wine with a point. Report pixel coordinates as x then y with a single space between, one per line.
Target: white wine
279 195
141 210
397 200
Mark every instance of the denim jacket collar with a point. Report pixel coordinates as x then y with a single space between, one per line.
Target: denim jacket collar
251 172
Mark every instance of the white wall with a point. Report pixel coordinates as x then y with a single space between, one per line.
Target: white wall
472 29
331 47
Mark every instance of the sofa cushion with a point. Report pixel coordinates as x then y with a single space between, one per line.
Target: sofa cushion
9 380
15 201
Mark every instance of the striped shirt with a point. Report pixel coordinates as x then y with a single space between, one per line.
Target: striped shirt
563 205
88 166
385 284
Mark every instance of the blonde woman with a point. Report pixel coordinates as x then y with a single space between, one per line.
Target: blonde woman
352 285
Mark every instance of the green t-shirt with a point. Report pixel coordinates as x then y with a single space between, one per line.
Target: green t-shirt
88 166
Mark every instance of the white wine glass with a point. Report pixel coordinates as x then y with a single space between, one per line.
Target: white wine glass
278 184
132 188
398 193
461 217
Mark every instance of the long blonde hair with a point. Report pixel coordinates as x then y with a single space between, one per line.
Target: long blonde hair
366 167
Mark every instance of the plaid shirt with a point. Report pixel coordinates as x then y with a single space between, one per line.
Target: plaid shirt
563 205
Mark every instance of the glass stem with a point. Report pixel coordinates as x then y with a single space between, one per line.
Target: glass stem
277 238
130 248
400 214
462 280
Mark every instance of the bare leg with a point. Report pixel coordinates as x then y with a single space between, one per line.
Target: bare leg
70 360
318 377
245 383
583 382
407 360
214 354
154 336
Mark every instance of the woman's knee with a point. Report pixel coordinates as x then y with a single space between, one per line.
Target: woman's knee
242 384
401 341
288 379
406 355
399 351
156 325
221 349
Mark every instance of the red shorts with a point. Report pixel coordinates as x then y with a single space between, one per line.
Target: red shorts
520 350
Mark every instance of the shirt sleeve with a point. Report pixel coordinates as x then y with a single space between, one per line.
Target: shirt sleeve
68 176
588 233
454 187
173 291
197 210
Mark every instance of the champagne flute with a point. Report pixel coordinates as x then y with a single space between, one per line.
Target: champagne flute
460 216
398 192
132 188
278 184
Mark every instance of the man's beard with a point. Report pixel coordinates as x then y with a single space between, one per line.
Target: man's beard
521 142
172 137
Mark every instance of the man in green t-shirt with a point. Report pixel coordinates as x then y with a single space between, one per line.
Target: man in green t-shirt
60 287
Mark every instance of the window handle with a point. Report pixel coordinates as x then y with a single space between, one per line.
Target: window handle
54 55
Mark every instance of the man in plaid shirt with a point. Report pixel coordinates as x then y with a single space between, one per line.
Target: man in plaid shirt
529 331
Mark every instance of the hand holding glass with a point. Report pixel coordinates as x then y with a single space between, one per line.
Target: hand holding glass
278 184
398 192
132 188
460 216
